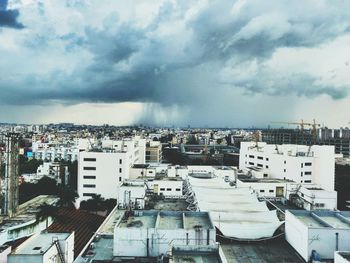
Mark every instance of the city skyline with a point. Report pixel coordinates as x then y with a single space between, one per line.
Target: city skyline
198 63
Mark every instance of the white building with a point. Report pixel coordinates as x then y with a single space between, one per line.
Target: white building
132 194
312 197
323 232
102 172
152 233
342 257
45 247
167 186
302 164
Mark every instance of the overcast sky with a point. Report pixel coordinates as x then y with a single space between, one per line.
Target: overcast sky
215 63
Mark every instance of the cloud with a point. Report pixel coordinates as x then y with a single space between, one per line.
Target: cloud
8 18
174 56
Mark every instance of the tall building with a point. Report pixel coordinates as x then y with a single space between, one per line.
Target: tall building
154 152
303 164
101 171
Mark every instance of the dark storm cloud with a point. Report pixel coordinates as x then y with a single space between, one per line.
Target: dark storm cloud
8 18
176 58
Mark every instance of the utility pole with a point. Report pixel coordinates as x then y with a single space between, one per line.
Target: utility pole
11 174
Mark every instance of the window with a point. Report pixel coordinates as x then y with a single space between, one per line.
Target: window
162 189
168 189
260 158
178 189
120 179
150 172
265 175
284 170
89 159
271 191
89 177
250 163
308 164
89 168
88 194
302 165
302 195
89 185
267 167
251 156
307 181
120 170
285 161
267 159
262 191
260 165
245 155
301 174
307 173
120 161
37 248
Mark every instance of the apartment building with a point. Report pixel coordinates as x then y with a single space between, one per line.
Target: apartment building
302 164
154 152
102 171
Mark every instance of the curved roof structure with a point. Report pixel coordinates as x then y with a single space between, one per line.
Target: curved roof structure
236 212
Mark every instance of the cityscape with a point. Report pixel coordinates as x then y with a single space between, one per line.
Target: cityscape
174 131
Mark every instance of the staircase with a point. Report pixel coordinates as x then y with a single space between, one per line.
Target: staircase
60 253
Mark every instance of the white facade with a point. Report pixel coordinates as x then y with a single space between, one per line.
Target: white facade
323 231
101 173
169 187
342 257
300 163
152 233
41 248
132 194
313 198
269 188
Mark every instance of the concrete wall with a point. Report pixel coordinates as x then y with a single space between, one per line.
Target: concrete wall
297 235
133 241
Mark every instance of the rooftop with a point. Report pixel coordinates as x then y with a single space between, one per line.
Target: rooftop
344 254
84 224
39 244
323 219
165 220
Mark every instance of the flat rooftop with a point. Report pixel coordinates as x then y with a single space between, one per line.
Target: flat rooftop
344 254
165 220
26 212
323 219
270 251
39 244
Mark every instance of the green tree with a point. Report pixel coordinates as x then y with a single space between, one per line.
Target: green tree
67 197
45 211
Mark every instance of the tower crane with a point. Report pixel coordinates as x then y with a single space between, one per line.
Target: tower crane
302 125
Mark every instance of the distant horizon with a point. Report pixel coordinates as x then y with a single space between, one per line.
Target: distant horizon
218 63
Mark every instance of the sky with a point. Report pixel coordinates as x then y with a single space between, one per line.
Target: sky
214 63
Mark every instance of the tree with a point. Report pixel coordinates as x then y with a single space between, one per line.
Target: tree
45 211
67 197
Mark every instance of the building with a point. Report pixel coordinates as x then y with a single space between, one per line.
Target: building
318 234
101 171
151 233
24 223
312 197
154 152
342 257
132 195
45 247
154 236
299 163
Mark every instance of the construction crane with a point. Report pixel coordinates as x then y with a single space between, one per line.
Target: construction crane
302 125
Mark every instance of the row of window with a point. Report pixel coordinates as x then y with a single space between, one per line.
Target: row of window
94 160
89 185
270 191
87 168
169 189
259 157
